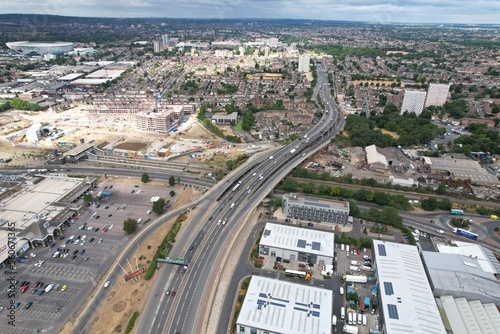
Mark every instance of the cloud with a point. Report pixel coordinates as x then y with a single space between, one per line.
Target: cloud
419 11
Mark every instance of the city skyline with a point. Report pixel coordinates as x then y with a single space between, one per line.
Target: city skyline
376 11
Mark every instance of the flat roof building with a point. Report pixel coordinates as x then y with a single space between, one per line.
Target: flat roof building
460 169
315 209
274 306
461 276
154 121
304 63
225 119
406 302
296 243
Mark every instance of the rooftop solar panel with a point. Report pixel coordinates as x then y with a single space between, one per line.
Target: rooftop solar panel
277 304
388 288
300 309
315 314
393 311
381 250
267 233
316 306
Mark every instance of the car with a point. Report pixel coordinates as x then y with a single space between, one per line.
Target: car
62 237
301 265
107 284
82 251
28 305
367 258
97 217
132 191
32 254
168 292
136 186
24 288
41 292
73 257
219 222
17 305
41 285
91 239
440 231
85 259
76 242
286 261
1 308
88 204
72 237
64 288
106 207
34 291
111 187
98 206
173 293
21 260
75 251
78 237
52 245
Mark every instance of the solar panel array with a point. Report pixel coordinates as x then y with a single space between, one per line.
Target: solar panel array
389 290
381 250
267 233
393 311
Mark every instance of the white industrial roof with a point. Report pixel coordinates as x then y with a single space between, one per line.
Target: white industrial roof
89 81
298 239
372 155
283 307
469 250
407 300
453 315
70 76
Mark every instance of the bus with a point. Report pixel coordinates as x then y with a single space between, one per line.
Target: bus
295 273
236 187
466 234
456 212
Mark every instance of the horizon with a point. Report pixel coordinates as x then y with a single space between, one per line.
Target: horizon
367 11
259 19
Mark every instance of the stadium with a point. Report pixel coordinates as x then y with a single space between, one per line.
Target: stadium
41 48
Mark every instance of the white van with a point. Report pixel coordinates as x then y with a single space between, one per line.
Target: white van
334 320
354 268
342 312
354 263
364 319
347 248
341 290
349 317
149 212
342 246
49 287
360 319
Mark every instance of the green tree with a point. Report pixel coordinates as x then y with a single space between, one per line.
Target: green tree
171 181
308 188
130 225
145 178
158 206
87 198
172 193
429 204
441 190
290 185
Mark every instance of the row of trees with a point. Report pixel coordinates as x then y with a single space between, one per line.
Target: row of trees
19 104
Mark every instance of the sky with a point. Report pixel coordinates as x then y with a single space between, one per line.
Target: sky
379 11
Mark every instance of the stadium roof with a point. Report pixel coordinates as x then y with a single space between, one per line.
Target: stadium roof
284 307
41 48
298 239
407 300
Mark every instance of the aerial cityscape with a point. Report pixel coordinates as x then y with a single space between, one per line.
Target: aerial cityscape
249 167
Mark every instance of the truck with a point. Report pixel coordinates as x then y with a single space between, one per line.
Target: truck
292 151
355 278
456 212
350 329
354 263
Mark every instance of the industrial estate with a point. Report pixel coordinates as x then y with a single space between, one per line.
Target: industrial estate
248 176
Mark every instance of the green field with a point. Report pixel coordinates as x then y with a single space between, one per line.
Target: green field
239 126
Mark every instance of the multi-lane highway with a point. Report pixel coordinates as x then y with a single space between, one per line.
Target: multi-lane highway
217 223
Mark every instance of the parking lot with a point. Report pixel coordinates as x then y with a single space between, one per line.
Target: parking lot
78 267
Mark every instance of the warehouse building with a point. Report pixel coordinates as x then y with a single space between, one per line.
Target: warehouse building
459 276
315 209
376 161
458 168
274 306
406 302
295 243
